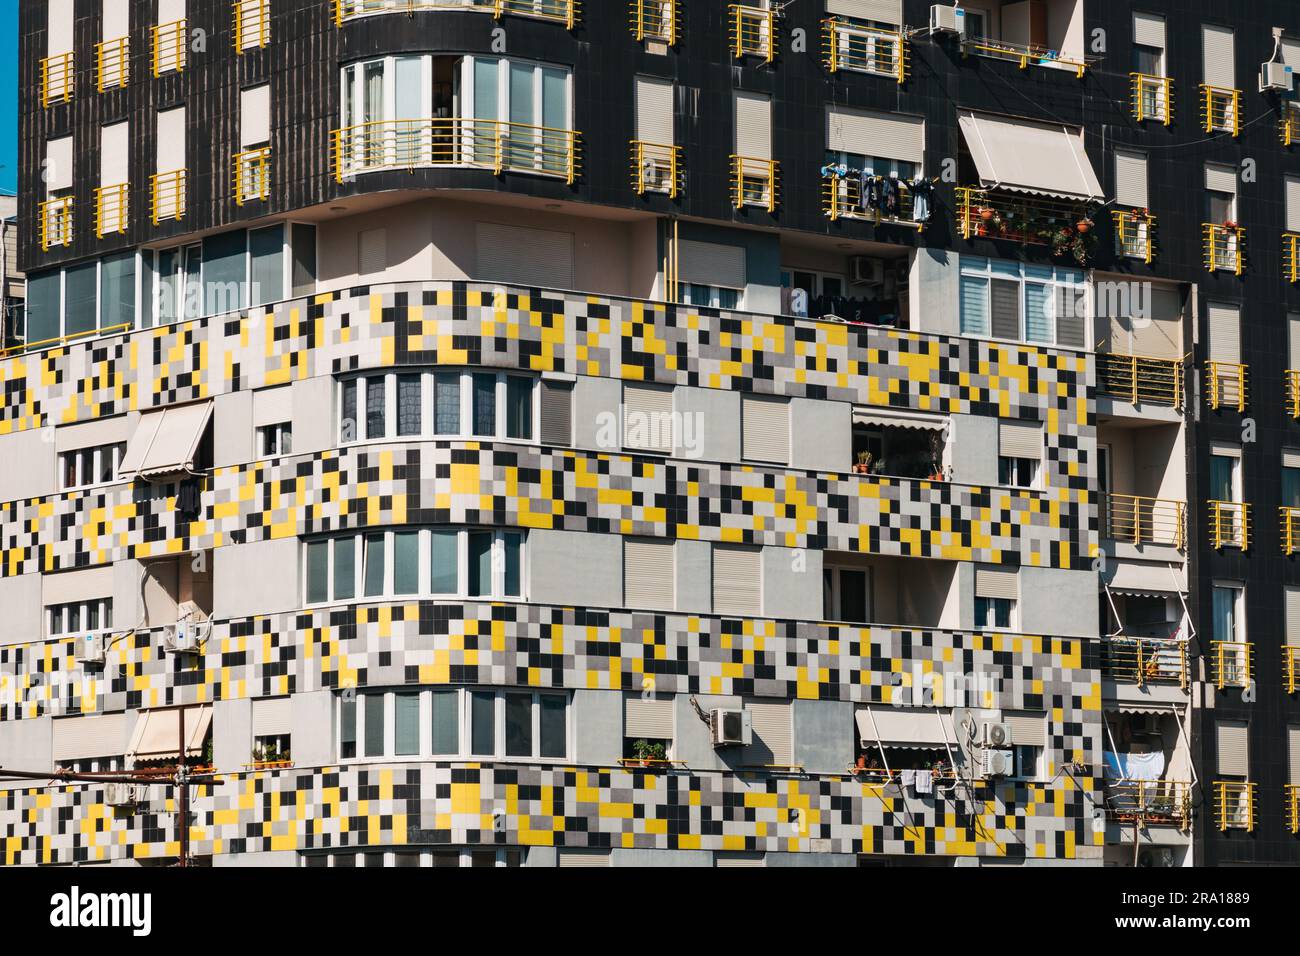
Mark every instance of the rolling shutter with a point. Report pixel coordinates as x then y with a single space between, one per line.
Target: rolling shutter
654 111
888 135
1234 748
753 116
1131 178
59 38
116 21
1020 440
538 258
1224 323
997 583
1221 179
737 580
169 11
171 140
583 858
711 263
648 574
58 161
648 719
1005 309
1028 728
255 116
1293 204
272 716
114 143
78 738
101 431
773 731
557 412
1149 30
273 406
71 587
372 251
1218 58
1161 337
1291 53
1292 618
765 428
881 11
647 418
1293 755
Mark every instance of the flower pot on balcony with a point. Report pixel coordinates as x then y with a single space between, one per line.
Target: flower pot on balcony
986 214
1083 225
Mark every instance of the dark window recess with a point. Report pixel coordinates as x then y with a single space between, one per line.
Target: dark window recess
557 413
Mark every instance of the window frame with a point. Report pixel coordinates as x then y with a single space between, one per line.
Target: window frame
991 605
983 267
502 856
832 593
429 408
272 439
57 612
114 449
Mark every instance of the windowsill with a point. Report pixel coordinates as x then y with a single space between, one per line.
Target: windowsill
453 759
401 598
397 440
75 489
88 632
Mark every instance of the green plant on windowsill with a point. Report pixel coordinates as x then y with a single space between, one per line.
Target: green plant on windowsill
650 752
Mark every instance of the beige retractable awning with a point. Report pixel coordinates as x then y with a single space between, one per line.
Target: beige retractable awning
884 418
1131 577
903 727
1020 155
166 441
1169 709
157 732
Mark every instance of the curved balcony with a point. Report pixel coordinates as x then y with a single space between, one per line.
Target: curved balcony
555 11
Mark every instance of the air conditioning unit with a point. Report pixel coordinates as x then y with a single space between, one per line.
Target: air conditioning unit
1156 856
1276 76
945 19
91 649
866 271
185 637
731 728
997 763
121 794
997 735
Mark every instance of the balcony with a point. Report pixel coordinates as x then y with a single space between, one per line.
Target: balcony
1063 224
252 24
56 222
1145 660
1153 98
1291 667
1023 55
848 46
1135 234
1289 524
1220 110
1137 520
1293 391
1231 663
112 209
842 198
252 175
1225 247
1291 256
1288 126
58 79
656 168
167 195
656 20
1226 385
1155 802
112 64
469 143
169 47
753 32
1234 805
754 182
1229 525
1291 794
1139 380
556 11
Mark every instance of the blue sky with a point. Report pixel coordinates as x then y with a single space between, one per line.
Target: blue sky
9 95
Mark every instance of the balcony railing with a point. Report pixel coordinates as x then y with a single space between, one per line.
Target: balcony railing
56 222
848 46
1220 110
169 47
557 11
1139 520
1145 660
167 194
1291 667
755 182
1293 391
1288 126
58 79
473 143
112 209
1289 525
1229 524
252 24
252 175
1232 663
753 32
1023 55
842 198
1234 804
1291 793
656 20
1036 220
656 168
1226 385
112 63
1225 248
1153 98
1159 802
1291 256
1140 380
1135 234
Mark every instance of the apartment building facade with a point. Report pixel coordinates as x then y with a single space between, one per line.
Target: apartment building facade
503 433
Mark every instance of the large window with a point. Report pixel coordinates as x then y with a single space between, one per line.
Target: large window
82 299
80 617
1023 302
454 723
90 466
415 562
417 856
438 404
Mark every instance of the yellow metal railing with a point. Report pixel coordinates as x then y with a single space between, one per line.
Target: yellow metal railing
848 46
1229 524
1288 126
112 209
1225 248
1145 660
656 168
479 143
63 339
1135 234
1234 803
842 199
1167 802
1291 666
1291 256
753 32
167 196
656 20
252 24
1139 379
56 222
1023 55
1139 520
1232 663
1226 385
252 174
1293 391
984 213
754 182
558 11
1291 793
112 63
58 78
1220 110
1153 98
169 46
1289 525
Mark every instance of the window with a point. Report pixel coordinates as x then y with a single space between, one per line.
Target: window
82 299
1017 472
429 562
648 727
467 404
90 466
272 748
1020 450
994 613
275 439
1290 478
1023 302
710 296
997 592
649 574
526 96
455 722
1225 473
80 617
417 857
846 594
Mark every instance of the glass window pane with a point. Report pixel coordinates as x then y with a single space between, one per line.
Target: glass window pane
555 734
374 565
318 572
1038 312
44 297
406 562
407 717
348 860
480 563
446 722
81 294
92 616
107 463
408 404
444 563
169 285
513 544
345 569
192 292
519 407
374 725
974 306
519 725
348 412
266 250
406 858
1291 487
225 276
521 94
555 109
408 88
485 88
485 404
447 400
117 291
74 617
375 400
483 740
348 733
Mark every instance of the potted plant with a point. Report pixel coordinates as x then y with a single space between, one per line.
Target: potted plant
936 454
1230 224
649 752
1083 226
863 465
